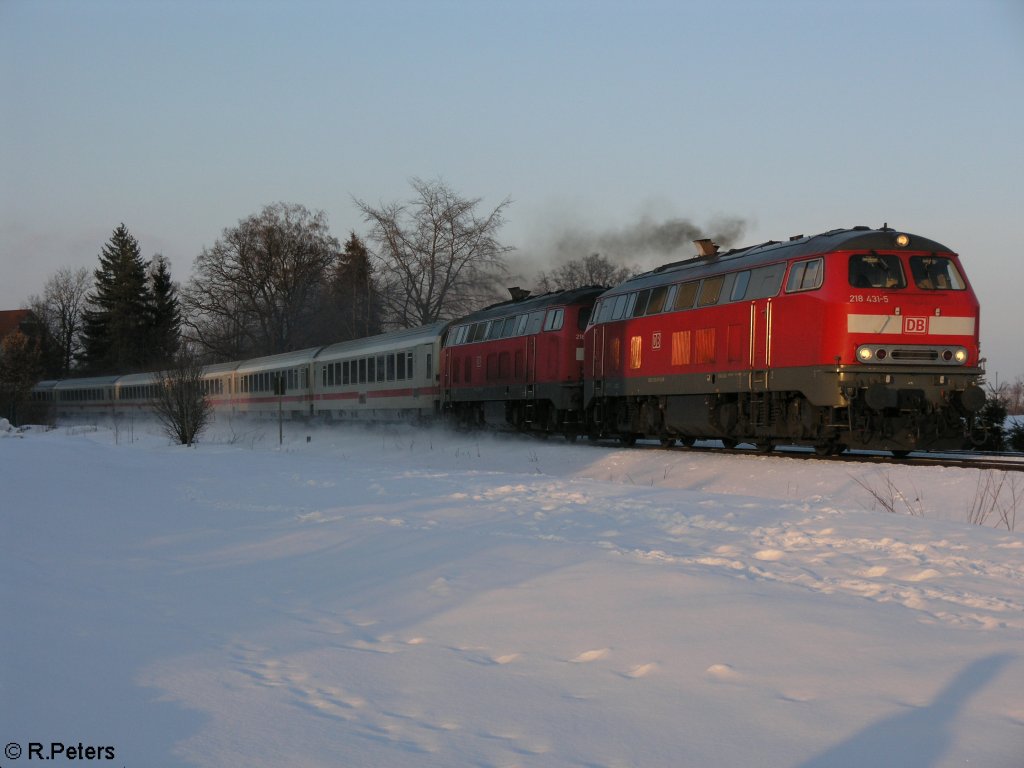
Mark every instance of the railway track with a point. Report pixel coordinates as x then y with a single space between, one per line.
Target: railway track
1008 462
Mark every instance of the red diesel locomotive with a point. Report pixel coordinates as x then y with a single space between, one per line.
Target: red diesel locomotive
862 338
520 363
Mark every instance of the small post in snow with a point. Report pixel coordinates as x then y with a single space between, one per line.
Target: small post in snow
279 390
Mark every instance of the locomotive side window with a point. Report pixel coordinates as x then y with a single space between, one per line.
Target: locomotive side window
554 320
509 327
534 324
872 270
618 306
640 307
765 281
630 303
739 286
685 295
495 330
709 291
805 276
935 273
657 301
521 323
582 319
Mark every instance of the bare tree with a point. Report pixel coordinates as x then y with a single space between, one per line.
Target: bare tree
437 256
255 292
60 310
590 270
180 404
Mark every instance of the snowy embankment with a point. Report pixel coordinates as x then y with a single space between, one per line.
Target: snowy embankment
417 598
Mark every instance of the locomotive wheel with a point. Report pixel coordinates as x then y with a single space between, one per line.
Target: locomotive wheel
628 440
901 454
668 442
689 442
766 447
829 449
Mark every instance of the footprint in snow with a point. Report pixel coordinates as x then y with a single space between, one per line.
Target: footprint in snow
594 655
722 672
641 670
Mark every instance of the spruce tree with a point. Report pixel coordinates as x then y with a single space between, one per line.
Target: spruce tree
165 313
117 322
355 289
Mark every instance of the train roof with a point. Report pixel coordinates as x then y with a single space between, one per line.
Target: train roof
215 368
86 383
801 246
384 342
276 362
137 378
534 303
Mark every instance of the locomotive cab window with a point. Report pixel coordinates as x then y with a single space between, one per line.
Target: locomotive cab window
805 276
872 270
936 273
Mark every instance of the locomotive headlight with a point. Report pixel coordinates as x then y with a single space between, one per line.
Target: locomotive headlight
902 240
864 354
960 355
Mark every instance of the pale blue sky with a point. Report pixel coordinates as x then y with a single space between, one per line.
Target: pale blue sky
180 118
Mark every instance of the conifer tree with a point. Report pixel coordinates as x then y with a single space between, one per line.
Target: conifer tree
117 323
165 312
356 293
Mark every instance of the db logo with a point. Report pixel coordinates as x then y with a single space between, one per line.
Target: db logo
915 325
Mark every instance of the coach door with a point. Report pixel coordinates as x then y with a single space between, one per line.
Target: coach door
760 343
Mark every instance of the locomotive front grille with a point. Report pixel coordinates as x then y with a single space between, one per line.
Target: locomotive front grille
920 355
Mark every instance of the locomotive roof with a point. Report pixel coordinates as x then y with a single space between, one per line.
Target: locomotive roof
855 239
533 303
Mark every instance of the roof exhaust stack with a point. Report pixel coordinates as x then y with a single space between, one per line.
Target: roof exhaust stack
518 294
706 248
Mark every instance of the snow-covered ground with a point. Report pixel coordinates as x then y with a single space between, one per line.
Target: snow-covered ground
420 598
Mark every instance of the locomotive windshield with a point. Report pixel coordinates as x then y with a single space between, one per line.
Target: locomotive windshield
936 273
872 270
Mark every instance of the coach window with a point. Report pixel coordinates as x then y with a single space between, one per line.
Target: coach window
554 320
807 275
401 366
391 368
709 291
380 367
337 374
362 370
